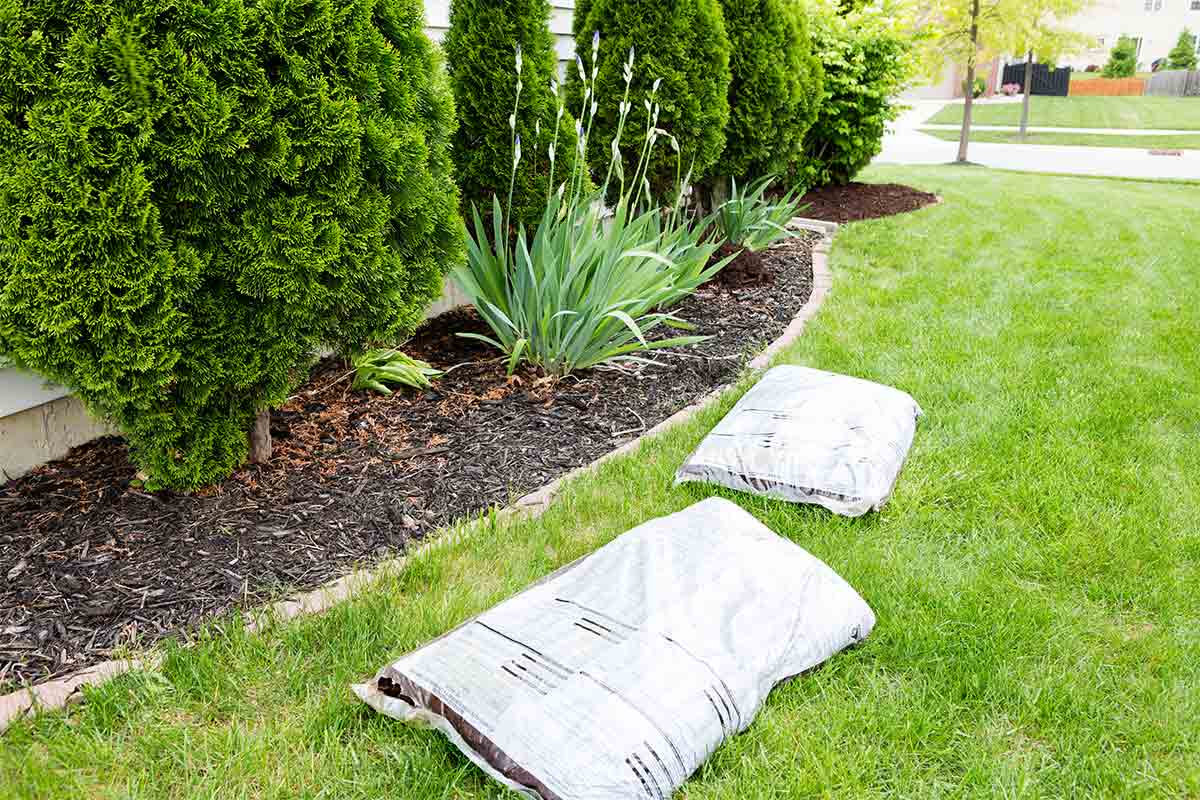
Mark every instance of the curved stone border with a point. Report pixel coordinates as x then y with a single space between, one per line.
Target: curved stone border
60 692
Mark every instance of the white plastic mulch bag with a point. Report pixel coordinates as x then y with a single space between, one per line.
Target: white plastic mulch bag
617 676
810 436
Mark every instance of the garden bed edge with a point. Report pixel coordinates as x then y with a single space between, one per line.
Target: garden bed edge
60 692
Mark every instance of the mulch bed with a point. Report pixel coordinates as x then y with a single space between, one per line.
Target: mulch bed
858 201
91 562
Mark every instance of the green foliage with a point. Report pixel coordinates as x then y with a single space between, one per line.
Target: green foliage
867 62
376 369
748 219
775 88
586 290
480 55
1122 60
681 45
1183 54
196 194
978 87
590 286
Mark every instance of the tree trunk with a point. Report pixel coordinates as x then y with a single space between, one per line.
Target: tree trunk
260 438
969 89
1028 89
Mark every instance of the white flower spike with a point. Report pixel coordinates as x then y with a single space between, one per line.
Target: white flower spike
519 61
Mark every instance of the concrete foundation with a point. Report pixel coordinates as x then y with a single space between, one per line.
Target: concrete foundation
31 437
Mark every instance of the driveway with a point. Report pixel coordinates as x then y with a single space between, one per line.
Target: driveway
904 144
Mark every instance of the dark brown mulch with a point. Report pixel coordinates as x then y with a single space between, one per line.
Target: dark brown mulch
91 562
859 201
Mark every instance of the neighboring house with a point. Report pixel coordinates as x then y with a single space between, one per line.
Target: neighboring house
1154 25
40 422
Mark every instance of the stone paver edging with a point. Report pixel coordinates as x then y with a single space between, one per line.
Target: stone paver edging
60 692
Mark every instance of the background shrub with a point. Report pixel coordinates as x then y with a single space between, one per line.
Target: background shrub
867 63
195 194
776 84
480 54
1122 59
683 43
1183 54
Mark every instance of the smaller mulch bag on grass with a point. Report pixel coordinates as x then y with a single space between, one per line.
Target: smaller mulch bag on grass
809 436
617 676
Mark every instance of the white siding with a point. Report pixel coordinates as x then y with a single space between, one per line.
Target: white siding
437 22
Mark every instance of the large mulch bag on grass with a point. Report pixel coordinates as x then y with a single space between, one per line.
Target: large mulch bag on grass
617 676
810 436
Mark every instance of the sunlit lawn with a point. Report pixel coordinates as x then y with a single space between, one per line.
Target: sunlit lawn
1035 575
1159 113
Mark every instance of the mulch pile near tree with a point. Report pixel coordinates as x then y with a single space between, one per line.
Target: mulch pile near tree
93 562
858 201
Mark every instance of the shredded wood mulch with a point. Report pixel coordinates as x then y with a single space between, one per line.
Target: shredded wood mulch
89 562
858 201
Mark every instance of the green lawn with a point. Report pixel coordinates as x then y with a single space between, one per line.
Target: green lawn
1035 575
1180 142
1165 113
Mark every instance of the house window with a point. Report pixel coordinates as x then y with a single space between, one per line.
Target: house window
1100 39
1149 5
1195 5
1158 5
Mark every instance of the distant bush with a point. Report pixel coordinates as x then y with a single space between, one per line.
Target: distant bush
480 53
1092 68
867 63
1122 60
978 87
196 194
683 49
775 88
1183 54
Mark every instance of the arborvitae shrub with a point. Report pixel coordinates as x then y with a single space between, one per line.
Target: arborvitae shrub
196 194
480 54
1183 54
775 88
683 43
1122 59
867 61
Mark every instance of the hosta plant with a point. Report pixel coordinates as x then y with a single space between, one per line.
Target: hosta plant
381 368
590 284
751 220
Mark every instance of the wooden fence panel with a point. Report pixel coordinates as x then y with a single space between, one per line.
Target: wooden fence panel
1053 83
1108 87
1175 83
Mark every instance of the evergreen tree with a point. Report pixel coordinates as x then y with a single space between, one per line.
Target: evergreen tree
1122 61
1183 54
776 84
480 51
197 194
682 46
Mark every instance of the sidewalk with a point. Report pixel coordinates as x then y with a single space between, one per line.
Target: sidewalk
905 144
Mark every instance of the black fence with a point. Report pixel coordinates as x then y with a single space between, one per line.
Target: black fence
1052 82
